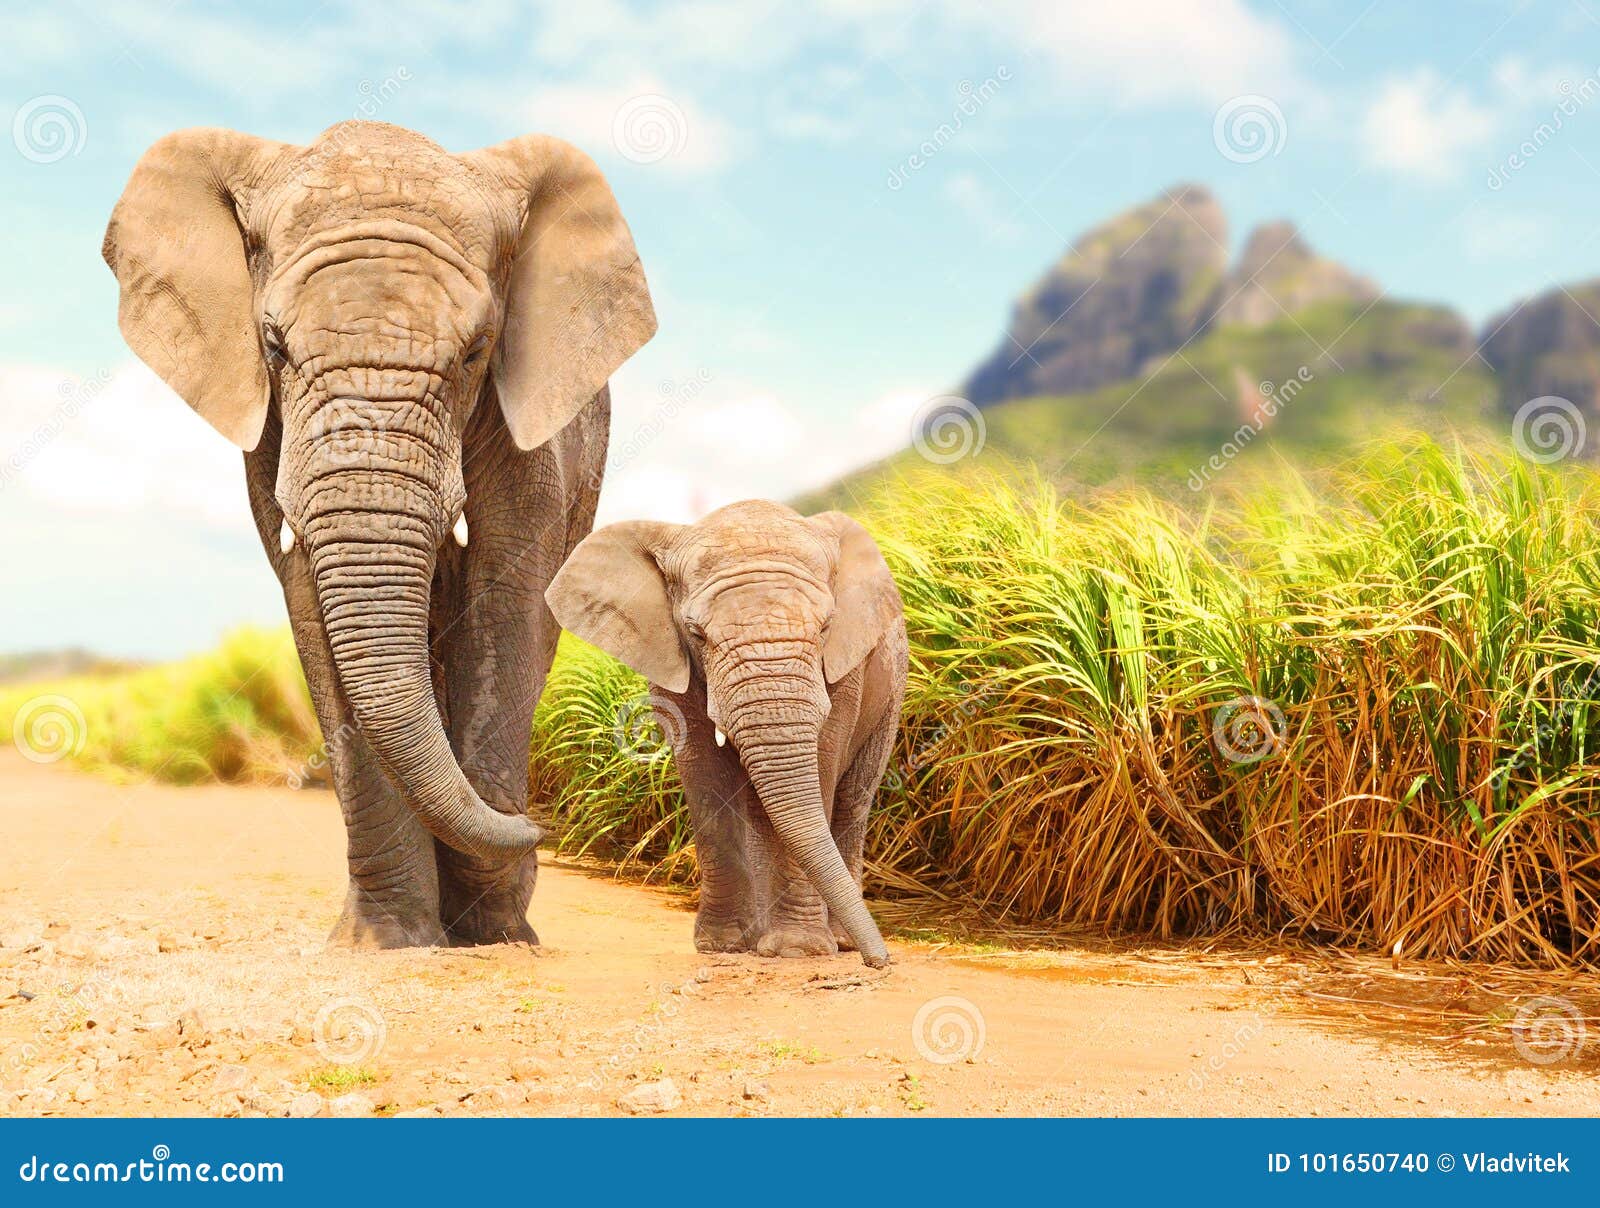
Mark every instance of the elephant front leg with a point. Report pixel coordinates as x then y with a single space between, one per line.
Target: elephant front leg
720 802
792 919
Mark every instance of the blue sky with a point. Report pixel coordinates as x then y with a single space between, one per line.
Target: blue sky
813 285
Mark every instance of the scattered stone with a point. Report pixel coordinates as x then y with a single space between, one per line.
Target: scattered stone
754 1089
230 1078
351 1105
528 1069
192 1029
652 1098
305 1106
19 938
419 1113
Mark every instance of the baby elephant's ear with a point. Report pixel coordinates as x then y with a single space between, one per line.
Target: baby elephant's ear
866 601
611 593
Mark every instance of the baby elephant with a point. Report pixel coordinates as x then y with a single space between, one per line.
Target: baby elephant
775 647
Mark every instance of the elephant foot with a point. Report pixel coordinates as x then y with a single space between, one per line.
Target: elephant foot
721 937
365 926
797 941
479 906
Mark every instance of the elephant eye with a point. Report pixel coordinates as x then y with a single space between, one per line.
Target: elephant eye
476 350
272 341
696 631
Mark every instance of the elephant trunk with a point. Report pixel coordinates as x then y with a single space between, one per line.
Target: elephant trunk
374 589
777 743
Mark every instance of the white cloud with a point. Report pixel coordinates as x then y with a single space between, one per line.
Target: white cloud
125 519
643 120
1152 51
1502 236
1419 127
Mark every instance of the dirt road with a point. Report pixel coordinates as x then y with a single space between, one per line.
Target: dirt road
161 953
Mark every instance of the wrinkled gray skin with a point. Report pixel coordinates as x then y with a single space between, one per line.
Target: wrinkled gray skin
398 337
786 633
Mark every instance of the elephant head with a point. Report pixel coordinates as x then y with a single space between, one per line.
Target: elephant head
371 290
770 607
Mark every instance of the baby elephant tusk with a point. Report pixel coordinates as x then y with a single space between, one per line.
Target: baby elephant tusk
722 739
460 530
285 538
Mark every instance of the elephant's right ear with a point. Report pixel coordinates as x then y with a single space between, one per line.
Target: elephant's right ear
187 307
611 593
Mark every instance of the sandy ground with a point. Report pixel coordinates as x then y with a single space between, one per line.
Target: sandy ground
161 953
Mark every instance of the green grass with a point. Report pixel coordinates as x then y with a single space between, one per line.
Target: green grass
340 1078
239 713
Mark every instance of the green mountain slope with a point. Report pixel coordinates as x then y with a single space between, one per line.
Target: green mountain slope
1311 387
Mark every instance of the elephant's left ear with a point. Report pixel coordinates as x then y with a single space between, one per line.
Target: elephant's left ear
577 306
865 600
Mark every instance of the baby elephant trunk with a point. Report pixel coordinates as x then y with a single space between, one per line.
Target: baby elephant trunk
781 758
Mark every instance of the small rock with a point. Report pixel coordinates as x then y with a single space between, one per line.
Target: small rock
84 1091
650 1098
353 1104
20 938
230 1078
757 1090
192 1029
305 1106
417 1113
528 1069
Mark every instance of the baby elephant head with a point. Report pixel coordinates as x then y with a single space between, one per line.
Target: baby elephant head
766 608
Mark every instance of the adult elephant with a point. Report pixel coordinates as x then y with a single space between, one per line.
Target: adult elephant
410 346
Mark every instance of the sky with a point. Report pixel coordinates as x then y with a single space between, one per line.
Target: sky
835 204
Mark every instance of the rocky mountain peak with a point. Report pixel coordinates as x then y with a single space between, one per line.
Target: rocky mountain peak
1132 287
1277 275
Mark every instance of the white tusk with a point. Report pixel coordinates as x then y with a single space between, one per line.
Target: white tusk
460 530
722 739
286 538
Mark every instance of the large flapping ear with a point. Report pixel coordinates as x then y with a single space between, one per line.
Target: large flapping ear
611 593
187 307
865 600
577 305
